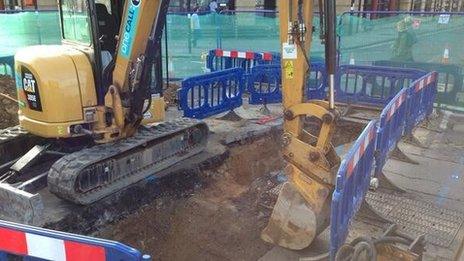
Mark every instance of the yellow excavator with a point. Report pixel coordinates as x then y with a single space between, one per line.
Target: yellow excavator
91 109
303 207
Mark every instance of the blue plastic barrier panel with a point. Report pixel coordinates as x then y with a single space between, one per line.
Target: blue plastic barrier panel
372 85
422 96
353 179
218 60
264 84
210 94
391 127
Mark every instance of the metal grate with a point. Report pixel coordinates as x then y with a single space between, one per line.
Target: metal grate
416 217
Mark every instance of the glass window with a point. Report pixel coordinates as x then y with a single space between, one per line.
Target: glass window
107 3
76 21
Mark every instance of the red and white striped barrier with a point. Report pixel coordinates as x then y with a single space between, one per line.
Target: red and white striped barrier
401 99
244 55
235 54
369 137
424 82
48 248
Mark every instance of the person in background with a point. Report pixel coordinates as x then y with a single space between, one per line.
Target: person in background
402 48
195 27
213 6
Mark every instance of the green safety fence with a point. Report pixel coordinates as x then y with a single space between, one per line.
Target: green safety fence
28 28
421 40
187 48
404 39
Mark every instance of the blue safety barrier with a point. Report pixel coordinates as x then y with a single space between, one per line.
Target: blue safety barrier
219 60
264 83
7 65
372 85
422 96
269 58
353 179
209 94
450 78
316 83
391 127
42 244
403 113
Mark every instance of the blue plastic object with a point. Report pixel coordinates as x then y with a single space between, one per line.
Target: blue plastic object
422 96
372 85
216 63
29 239
213 93
353 179
391 127
264 83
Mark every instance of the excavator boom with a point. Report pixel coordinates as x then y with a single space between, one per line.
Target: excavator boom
303 206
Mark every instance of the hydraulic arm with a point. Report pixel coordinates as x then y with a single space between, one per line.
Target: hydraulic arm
302 208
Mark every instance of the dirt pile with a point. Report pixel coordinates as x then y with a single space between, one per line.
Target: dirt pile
170 94
221 220
8 107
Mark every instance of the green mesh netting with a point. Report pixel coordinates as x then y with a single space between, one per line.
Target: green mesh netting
28 28
420 40
404 37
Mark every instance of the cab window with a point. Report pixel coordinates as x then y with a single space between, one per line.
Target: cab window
75 21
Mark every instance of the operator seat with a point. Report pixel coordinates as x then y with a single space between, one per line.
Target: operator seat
107 29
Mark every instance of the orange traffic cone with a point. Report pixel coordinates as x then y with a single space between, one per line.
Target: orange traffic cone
352 61
446 53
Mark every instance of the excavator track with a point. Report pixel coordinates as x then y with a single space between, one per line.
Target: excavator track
88 175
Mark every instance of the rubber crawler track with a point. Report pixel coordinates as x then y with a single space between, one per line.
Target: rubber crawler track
127 161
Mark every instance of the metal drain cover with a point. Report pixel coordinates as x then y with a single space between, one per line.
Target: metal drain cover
415 217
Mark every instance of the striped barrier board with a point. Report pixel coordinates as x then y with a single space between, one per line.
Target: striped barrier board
422 97
219 59
28 241
391 127
353 179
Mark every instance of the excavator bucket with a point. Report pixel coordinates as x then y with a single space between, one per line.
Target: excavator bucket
293 222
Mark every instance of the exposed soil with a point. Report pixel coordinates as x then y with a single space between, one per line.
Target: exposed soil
223 217
221 220
8 107
170 94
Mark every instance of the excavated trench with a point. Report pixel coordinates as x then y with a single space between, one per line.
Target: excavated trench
208 214
222 216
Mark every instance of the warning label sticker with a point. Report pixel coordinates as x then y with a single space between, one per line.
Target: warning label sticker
289 51
289 70
444 19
